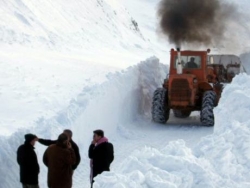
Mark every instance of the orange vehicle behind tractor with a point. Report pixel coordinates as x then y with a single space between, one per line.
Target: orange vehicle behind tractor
195 83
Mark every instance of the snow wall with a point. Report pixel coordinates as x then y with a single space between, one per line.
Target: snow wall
219 160
245 59
117 101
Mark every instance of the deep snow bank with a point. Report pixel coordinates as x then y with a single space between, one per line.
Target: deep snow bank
228 150
173 166
219 160
245 59
119 100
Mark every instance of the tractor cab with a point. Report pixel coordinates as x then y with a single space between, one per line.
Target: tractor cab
188 62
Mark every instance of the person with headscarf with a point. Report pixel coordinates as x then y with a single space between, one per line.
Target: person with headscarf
101 154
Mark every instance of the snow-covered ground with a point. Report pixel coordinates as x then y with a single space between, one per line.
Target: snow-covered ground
33 86
122 109
121 106
221 159
50 50
75 65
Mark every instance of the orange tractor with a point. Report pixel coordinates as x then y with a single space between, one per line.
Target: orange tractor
195 82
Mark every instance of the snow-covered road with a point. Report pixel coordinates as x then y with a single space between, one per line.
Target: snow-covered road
131 138
147 155
188 155
75 65
121 107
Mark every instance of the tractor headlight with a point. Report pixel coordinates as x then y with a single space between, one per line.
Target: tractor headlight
195 81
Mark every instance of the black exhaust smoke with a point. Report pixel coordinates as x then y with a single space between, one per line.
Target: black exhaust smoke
194 21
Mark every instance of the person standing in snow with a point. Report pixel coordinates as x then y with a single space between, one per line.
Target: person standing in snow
73 144
59 158
101 154
27 160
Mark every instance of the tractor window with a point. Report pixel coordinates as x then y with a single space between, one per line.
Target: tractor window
189 62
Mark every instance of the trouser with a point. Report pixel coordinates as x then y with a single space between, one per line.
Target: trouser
30 186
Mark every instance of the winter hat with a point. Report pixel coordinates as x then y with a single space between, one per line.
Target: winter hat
29 137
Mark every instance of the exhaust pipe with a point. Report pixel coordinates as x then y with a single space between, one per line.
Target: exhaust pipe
179 65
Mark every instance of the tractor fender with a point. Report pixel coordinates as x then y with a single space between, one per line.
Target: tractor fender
205 86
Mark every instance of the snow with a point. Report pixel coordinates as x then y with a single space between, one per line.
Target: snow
76 65
75 24
221 159
120 106
245 61
48 54
173 166
35 87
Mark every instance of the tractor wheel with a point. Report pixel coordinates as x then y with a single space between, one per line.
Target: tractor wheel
208 103
182 113
160 109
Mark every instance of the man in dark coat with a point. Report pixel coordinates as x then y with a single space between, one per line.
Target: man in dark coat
101 154
27 160
73 144
59 158
191 64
